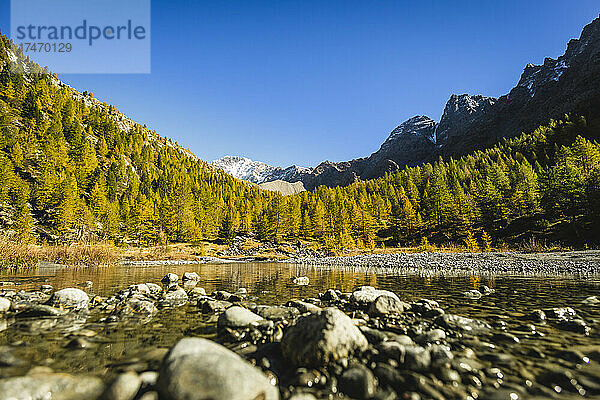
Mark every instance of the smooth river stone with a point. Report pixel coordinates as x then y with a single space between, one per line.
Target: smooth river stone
69 298
199 369
317 339
51 386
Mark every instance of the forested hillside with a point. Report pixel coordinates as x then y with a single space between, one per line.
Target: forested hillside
74 169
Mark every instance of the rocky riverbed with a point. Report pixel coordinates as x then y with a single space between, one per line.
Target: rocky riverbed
574 262
366 343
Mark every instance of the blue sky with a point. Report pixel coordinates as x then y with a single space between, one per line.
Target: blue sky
304 81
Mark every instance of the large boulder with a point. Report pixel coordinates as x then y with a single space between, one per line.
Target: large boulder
69 298
199 369
320 338
51 386
238 317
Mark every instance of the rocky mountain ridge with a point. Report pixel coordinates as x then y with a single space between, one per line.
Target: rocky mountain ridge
568 84
258 172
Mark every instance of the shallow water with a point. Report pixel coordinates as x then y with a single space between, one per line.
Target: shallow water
270 283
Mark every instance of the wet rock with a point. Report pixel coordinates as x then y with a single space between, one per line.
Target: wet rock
330 295
303 396
591 300
137 307
473 294
46 288
213 306
440 355
376 336
575 325
358 382
502 394
79 343
140 288
149 378
432 336
124 387
504 337
393 350
190 276
486 290
169 279
50 386
7 359
417 358
424 306
197 292
149 396
365 295
463 324
385 305
4 304
564 313
174 297
448 375
320 338
236 298
303 306
537 316
154 288
238 317
199 369
39 310
277 313
221 295
300 280
574 356
69 298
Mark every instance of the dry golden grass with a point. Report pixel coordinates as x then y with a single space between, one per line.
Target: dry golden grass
29 255
535 245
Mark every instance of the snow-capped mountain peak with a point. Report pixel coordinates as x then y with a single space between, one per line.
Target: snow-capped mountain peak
258 172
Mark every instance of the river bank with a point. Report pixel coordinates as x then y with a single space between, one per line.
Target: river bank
574 262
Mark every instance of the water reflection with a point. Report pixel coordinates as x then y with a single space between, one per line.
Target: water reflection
270 283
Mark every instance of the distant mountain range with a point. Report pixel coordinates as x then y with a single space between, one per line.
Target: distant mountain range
569 84
259 172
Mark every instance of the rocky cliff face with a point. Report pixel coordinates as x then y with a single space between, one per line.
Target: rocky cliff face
569 84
